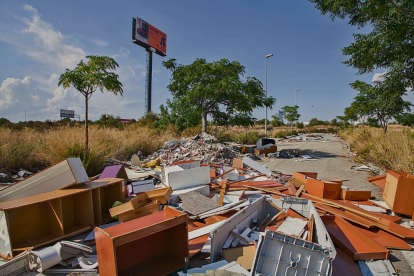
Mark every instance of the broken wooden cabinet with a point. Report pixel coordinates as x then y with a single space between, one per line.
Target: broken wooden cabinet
41 219
156 244
399 192
324 189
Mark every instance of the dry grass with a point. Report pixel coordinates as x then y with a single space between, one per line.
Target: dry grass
394 150
30 149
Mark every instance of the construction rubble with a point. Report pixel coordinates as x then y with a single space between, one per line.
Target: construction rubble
196 197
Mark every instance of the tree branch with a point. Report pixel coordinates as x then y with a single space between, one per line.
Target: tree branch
408 12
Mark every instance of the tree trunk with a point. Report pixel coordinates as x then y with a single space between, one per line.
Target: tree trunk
204 122
86 124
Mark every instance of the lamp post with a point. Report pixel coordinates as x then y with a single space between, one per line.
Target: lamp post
267 56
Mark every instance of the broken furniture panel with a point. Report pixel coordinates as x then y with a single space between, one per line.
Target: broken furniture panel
355 195
278 254
324 189
399 192
186 175
353 242
256 166
52 216
343 265
162 195
243 255
156 244
139 201
150 208
116 171
59 176
136 187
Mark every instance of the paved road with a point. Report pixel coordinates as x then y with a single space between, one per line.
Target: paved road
335 161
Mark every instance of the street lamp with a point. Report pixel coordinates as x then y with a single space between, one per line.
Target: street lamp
296 125
267 56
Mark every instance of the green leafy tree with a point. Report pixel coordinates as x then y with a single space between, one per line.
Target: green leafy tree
383 100
351 115
291 114
406 119
389 43
215 89
334 122
276 121
91 76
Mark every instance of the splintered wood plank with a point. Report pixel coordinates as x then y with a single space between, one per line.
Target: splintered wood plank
195 245
311 223
292 189
384 238
355 244
298 192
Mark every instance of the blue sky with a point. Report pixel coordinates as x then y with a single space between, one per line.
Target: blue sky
40 39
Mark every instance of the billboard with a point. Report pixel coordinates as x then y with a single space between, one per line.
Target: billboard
148 36
64 113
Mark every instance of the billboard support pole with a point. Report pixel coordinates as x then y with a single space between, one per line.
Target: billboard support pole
149 82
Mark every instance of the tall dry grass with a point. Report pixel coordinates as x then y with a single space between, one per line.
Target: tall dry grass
31 150
394 150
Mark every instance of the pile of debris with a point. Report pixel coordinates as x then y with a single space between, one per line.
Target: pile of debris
154 218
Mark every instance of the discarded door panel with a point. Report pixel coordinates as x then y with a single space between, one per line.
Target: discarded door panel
59 176
56 215
156 244
278 254
325 189
399 192
186 175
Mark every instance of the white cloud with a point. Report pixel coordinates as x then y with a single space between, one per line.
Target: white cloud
100 42
132 70
378 77
125 52
50 46
12 90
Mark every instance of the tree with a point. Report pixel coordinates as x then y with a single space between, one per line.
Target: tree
291 114
351 115
91 76
383 100
388 45
276 121
212 86
406 119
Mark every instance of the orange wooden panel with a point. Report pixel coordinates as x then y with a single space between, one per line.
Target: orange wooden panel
330 190
181 162
349 216
212 173
378 177
380 183
384 238
343 265
355 195
359 209
399 192
195 245
355 244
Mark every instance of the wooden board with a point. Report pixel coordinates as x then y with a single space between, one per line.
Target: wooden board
162 195
243 255
343 265
355 195
380 215
355 244
195 245
384 238
148 209
139 201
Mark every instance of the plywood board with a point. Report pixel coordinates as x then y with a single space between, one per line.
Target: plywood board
78 170
148 209
195 245
352 242
178 178
243 255
355 195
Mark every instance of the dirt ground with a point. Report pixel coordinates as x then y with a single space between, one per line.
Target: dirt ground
335 161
